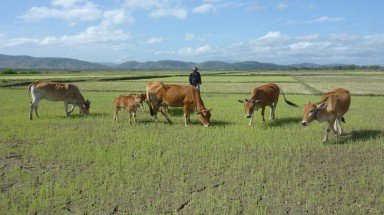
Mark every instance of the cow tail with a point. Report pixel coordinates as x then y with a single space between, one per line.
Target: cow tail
29 91
288 102
149 102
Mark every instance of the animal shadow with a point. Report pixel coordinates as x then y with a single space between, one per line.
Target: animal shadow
285 121
359 136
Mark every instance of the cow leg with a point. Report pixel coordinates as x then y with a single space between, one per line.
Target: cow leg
134 117
36 111
250 120
329 128
66 108
154 114
262 113
337 127
73 107
164 112
116 114
129 116
272 114
187 114
33 106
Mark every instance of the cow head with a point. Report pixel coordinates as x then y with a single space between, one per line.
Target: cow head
205 116
250 105
311 111
141 98
84 108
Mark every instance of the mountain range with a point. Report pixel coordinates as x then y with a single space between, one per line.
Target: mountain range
55 63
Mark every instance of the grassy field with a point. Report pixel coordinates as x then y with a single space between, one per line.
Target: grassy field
89 165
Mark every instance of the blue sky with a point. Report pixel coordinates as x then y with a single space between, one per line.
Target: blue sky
282 32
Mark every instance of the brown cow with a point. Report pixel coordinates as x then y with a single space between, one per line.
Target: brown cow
54 91
188 97
265 95
331 108
130 103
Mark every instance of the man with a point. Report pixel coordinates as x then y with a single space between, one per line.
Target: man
195 78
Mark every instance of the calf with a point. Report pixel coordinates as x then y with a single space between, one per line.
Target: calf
130 103
331 108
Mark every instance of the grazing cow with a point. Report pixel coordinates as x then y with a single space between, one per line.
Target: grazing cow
130 103
188 97
54 91
331 108
265 95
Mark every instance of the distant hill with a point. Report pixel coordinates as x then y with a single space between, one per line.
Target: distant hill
208 65
51 63
27 62
157 65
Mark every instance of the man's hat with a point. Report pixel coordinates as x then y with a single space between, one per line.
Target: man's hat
195 69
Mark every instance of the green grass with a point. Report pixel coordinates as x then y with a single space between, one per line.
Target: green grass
88 164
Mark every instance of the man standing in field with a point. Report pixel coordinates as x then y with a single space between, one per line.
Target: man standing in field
195 78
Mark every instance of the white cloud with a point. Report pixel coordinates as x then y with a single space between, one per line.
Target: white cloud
271 35
176 12
116 17
147 4
69 11
276 47
204 8
203 49
154 40
158 8
193 37
324 19
92 35
300 45
281 6
66 3
95 34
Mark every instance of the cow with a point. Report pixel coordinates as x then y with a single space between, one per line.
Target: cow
55 91
262 96
331 108
161 95
130 103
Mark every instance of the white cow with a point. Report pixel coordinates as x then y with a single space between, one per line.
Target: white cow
54 91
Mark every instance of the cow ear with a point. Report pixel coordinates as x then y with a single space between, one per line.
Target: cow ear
241 101
322 105
331 102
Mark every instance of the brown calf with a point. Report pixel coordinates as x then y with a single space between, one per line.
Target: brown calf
331 108
130 103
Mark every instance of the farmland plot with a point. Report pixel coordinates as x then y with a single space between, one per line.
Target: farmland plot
88 164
